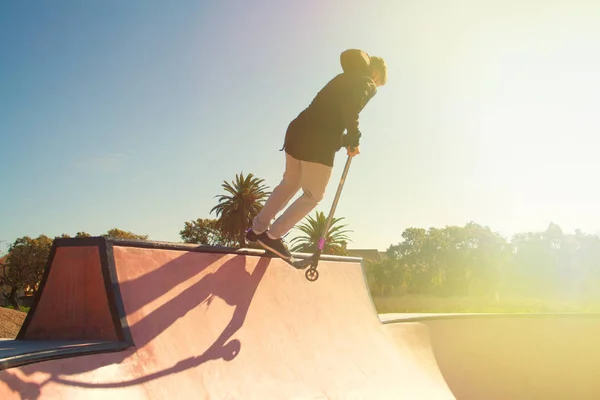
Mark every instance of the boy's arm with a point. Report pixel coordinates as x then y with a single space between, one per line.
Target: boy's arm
358 99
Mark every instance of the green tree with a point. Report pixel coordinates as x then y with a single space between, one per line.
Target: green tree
113 233
535 267
414 254
413 239
552 264
387 277
235 211
452 260
24 266
312 229
487 254
586 263
77 235
120 234
204 231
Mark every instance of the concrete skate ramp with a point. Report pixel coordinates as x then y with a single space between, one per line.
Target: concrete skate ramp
508 356
180 321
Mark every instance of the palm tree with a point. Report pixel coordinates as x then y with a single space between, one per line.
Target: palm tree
335 241
236 210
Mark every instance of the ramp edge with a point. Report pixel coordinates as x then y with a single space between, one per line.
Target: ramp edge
26 352
202 248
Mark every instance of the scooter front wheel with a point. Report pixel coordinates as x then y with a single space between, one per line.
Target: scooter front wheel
312 274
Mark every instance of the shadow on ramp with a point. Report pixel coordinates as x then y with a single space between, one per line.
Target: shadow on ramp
229 282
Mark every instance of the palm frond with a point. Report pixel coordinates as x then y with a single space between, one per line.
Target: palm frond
236 210
313 227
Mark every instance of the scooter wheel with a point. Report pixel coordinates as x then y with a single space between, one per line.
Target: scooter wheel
312 274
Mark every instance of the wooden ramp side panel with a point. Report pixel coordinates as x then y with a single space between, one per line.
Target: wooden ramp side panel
73 303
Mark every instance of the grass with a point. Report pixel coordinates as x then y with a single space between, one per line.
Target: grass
432 304
21 308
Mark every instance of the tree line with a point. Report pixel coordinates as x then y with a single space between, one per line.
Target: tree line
472 260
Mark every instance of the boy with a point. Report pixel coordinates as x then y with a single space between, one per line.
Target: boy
311 141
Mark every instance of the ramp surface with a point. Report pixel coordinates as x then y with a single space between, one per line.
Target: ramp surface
198 322
510 356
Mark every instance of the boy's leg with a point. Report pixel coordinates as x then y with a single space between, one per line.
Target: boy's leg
281 195
315 178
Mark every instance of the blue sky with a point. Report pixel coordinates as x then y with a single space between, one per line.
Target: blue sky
131 114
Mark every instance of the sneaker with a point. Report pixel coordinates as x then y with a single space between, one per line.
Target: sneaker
251 236
274 245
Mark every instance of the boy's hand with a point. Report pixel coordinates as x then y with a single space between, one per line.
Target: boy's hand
353 151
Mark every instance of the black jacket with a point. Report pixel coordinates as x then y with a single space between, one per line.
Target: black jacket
317 133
